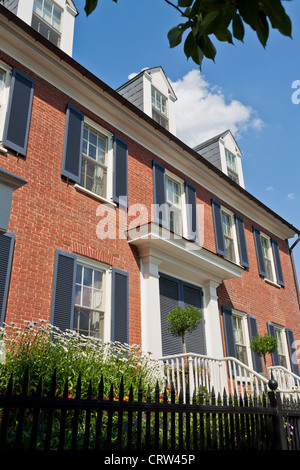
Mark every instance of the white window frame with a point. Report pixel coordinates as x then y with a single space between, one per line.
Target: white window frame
285 353
165 115
243 317
107 291
109 183
180 182
54 4
270 251
229 169
234 234
4 95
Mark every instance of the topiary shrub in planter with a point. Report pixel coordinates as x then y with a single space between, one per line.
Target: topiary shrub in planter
263 345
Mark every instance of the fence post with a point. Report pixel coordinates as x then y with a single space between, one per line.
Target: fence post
280 442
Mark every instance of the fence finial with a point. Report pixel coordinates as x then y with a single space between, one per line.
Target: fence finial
273 384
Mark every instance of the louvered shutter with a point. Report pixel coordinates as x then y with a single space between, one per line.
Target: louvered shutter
195 341
191 207
120 306
275 354
277 262
253 331
240 230
72 155
219 234
259 252
292 351
63 291
16 130
120 190
169 299
228 331
6 255
159 190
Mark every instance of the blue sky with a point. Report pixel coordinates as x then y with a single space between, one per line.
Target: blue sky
248 86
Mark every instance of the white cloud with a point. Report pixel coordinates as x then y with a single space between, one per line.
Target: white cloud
291 196
270 188
202 111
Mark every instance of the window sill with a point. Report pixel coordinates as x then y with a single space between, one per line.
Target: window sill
3 150
272 283
94 195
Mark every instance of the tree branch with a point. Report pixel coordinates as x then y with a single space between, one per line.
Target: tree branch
176 8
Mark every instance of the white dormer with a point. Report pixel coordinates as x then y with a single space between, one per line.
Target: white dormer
223 152
151 92
53 19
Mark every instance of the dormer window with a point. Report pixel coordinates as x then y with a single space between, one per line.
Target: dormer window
159 108
46 19
231 166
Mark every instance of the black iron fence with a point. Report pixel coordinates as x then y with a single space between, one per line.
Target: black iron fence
148 422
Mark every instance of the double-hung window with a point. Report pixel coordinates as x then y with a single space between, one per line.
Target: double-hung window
89 307
94 161
229 235
240 338
279 334
159 108
173 189
231 164
268 257
47 19
175 203
90 297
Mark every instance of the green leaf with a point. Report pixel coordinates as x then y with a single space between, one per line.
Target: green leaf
190 45
262 28
238 27
278 17
224 35
90 6
175 34
207 47
248 10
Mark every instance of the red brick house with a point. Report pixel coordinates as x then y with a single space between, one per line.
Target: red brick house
116 221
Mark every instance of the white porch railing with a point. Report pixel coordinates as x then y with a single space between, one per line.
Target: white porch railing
227 374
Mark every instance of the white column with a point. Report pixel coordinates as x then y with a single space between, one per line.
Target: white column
150 306
212 320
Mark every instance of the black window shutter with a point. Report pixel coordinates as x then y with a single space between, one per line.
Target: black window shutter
195 341
159 190
228 331
292 351
259 252
120 192
72 155
18 115
275 355
253 331
219 235
191 207
63 291
240 230
169 299
6 255
277 262
120 306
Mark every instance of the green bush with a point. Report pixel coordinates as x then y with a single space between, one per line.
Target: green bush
263 345
183 320
45 349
